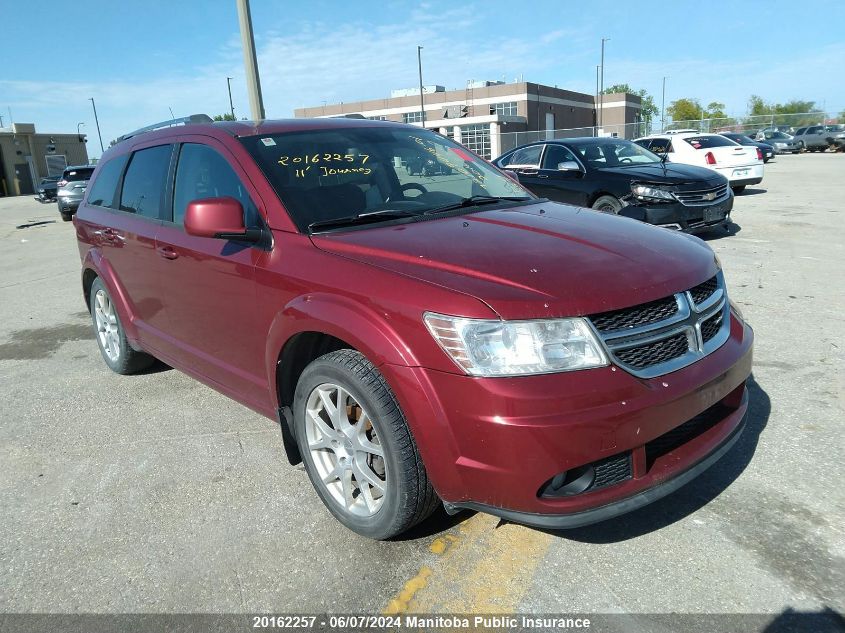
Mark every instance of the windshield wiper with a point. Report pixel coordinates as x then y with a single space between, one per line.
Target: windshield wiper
362 218
476 200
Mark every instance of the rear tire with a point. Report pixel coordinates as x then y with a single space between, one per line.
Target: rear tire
67 217
376 495
111 338
607 204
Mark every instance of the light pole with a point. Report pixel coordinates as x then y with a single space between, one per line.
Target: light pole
601 88
598 91
422 101
97 121
231 105
663 108
78 133
253 83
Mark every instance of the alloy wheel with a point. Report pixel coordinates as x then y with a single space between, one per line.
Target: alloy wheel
107 330
346 451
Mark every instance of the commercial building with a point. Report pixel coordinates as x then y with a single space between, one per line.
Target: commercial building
27 156
490 117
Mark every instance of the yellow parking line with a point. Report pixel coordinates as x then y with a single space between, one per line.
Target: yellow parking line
484 568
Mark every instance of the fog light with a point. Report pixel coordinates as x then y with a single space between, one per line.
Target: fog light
570 482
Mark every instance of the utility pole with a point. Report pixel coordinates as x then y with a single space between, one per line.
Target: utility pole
422 100
231 105
253 83
97 121
663 108
598 90
601 89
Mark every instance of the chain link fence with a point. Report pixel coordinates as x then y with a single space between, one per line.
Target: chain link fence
751 124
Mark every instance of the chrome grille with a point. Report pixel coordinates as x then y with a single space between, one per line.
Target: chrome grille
650 346
702 196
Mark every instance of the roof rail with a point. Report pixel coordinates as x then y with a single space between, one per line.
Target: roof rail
185 120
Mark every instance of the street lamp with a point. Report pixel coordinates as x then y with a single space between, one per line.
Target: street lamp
663 108
78 133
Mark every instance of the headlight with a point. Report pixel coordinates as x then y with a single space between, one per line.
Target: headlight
513 348
644 191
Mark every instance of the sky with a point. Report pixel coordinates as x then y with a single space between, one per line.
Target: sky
139 60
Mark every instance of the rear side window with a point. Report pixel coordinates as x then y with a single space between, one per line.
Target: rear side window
143 185
526 156
204 173
706 142
660 145
75 175
105 187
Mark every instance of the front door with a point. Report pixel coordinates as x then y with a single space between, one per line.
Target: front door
207 284
24 178
561 185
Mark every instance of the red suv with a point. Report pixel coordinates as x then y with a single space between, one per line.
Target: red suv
421 337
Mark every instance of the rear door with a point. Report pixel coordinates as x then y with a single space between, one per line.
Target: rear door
207 284
525 163
124 223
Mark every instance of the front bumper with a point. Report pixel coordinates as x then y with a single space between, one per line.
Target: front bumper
675 215
492 444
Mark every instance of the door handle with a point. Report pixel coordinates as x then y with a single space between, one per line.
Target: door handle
110 235
528 172
167 252
542 176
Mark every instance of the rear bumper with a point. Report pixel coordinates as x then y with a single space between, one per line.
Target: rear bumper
494 444
68 205
752 176
746 181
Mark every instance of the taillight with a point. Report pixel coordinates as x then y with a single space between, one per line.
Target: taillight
61 183
711 160
759 154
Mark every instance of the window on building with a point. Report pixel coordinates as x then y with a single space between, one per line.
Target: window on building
377 118
507 108
477 139
412 117
143 185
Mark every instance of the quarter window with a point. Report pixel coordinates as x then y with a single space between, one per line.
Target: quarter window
143 185
203 173
105 187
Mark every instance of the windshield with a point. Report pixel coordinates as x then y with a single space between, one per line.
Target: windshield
613 153
324 175
780 135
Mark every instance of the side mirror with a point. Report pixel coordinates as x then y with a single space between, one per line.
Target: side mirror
221 218
568 165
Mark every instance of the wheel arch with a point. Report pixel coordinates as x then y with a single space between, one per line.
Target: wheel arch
94 266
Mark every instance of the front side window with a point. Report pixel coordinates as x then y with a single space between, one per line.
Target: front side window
105 186
383 172
203 173
143 185
555 155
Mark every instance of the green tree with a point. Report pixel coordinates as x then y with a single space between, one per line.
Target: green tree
758 107
228 116
648 109
684 110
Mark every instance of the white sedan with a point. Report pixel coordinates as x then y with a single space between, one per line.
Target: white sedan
740 164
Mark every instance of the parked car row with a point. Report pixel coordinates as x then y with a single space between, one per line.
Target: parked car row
813 138
435 336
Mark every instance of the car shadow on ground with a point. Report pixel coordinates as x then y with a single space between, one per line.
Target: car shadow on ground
692 496
751 192
156 368
719 232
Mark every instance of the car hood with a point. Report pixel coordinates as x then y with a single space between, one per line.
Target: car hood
668 173
535 261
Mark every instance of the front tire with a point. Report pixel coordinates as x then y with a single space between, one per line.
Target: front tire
607 204
357 448
111 338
